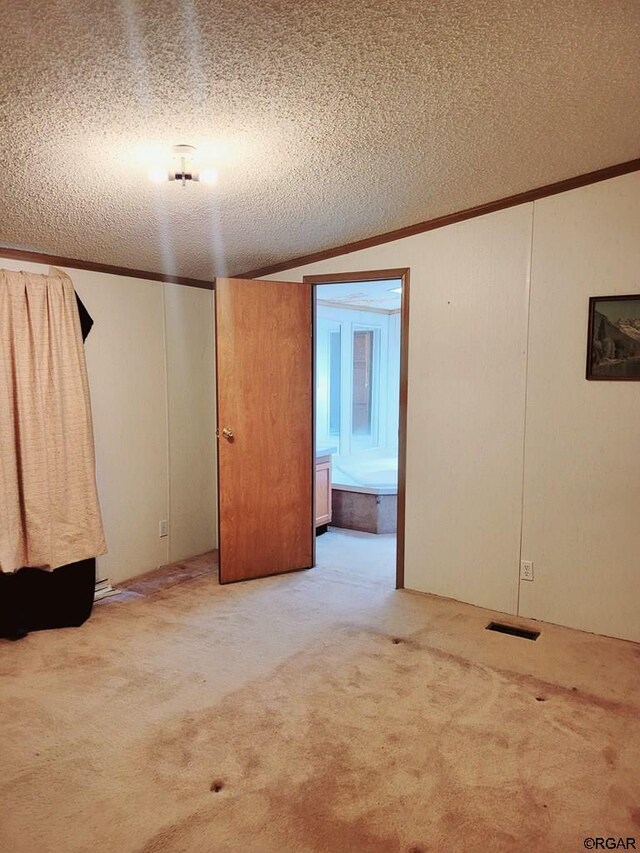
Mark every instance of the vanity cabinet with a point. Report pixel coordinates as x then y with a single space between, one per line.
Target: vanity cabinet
323 490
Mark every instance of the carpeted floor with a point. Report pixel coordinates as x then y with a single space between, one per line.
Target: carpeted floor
318 711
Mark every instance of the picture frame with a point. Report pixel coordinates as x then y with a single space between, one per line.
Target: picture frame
613 338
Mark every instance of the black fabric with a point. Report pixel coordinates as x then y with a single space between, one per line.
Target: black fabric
86 320
35 599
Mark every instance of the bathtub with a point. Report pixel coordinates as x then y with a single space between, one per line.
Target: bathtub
364 492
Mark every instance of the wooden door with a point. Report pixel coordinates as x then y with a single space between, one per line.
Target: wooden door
265 427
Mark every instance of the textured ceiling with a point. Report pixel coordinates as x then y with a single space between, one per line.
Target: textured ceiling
329 121
379 295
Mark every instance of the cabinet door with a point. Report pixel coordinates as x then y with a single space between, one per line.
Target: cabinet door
323 493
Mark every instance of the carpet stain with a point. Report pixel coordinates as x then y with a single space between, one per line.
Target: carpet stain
325 734
317 766
610 756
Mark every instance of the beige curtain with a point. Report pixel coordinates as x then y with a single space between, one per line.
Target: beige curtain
49 511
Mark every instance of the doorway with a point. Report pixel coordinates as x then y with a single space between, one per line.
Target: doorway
360 331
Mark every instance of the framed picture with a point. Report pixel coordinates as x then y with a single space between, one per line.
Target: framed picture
613 350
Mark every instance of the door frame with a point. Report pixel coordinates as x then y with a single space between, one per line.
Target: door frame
378 275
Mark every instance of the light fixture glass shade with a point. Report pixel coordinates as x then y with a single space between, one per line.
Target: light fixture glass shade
157 175
181 165
209 176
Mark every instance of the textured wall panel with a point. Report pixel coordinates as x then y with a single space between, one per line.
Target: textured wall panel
582 467
191 420
465 419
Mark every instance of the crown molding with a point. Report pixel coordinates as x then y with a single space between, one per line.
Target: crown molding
77 264
450 218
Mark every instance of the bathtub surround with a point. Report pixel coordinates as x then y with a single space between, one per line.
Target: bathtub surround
420 728
375 472
365 492
365 510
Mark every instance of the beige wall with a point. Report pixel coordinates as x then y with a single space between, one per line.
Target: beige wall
582 460
467 344
470 495
192 443
150 364
506 439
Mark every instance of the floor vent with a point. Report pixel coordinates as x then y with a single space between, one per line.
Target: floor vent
501 628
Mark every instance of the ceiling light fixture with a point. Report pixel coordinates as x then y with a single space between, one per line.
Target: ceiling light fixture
184 166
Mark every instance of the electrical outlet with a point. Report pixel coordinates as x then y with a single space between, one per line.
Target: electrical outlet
526 570
164 528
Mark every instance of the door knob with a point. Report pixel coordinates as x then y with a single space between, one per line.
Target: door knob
227 433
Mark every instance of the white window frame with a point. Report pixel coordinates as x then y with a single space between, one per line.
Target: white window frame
333 319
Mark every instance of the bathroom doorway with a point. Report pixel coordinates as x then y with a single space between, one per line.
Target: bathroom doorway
360 327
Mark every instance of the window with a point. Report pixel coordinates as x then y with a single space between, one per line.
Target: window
335 375
362 394
349 375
